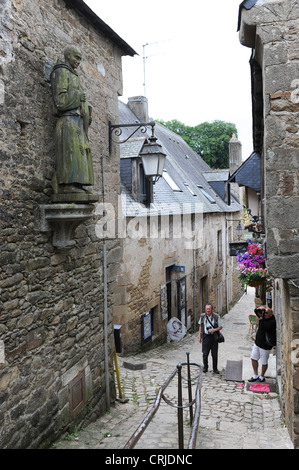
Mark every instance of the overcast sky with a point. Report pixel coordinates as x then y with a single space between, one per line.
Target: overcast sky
196 70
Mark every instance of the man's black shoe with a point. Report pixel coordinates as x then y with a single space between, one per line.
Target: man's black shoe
216 371
253 379
205 370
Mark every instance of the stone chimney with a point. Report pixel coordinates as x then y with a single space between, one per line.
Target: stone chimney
139 106
235 154
235 160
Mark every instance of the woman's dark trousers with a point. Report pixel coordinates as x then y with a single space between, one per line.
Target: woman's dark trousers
209 344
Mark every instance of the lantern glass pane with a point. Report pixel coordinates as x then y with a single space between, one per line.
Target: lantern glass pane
149 163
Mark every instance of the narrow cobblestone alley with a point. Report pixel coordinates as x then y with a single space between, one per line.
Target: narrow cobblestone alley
232 417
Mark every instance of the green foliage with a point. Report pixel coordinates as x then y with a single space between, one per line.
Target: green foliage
209 140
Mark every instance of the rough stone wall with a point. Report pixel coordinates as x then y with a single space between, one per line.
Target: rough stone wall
274 36
281 81
286 300
291 358
273 31
51 310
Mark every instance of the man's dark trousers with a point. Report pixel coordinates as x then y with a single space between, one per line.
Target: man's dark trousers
209 344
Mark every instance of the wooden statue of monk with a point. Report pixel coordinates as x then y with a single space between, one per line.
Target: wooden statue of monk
72 149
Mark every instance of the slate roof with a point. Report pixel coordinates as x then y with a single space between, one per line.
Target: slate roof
184 166
249 173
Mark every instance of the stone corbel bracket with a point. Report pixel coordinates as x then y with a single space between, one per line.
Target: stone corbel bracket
62 220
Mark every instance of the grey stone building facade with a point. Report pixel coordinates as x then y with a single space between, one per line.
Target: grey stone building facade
176 235
271 29
56 327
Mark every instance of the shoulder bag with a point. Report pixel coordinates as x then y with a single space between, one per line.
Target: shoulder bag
218 335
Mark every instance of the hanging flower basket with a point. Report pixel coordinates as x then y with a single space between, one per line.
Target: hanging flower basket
251 267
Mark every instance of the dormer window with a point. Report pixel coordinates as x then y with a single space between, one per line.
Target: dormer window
145 187
142 187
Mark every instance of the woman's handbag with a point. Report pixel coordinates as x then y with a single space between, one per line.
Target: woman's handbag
217 335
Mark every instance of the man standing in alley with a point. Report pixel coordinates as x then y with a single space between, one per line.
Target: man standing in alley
209 324
264 342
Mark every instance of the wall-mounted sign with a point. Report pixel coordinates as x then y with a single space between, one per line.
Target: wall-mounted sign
146 327
237 247
175 329
164 303
182 305
178 269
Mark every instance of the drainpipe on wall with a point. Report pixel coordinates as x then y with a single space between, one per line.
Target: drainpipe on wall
226 269
106 327
105 300
194 306
194 288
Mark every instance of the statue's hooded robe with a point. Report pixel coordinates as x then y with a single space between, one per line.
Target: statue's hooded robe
72 149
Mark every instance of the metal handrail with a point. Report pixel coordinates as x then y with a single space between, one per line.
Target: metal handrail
194 422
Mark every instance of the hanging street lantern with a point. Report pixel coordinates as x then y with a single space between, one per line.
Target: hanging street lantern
153 158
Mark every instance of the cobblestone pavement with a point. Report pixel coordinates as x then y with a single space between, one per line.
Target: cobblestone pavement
231 417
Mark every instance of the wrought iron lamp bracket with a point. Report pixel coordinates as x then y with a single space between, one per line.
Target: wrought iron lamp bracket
116 129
